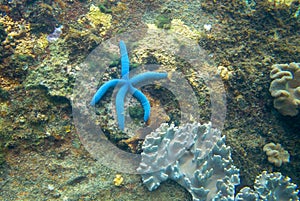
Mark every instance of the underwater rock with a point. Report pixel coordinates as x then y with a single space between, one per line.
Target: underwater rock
276 154
98 19
177 154
178 27
55 73
2 33
280 2
18 39
285 88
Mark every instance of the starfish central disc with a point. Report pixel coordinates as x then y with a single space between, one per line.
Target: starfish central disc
127 85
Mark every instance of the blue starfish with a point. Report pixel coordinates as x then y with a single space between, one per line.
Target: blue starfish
126 85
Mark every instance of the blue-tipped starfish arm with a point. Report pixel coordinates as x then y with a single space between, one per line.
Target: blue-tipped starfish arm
126 85
103 89
120 99
124 60
147 76
143 100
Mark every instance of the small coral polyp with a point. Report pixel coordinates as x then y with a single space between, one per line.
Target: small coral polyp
285 88
18 36
276 154
99 20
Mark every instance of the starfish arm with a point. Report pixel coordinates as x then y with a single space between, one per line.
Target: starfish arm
124 60
120 98
103 89
143 100
147 76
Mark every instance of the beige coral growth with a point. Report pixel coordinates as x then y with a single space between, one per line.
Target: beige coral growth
281 2
98 19
179 27
18 37
285 88
276 154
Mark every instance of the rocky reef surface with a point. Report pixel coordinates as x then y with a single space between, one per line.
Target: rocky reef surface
41 155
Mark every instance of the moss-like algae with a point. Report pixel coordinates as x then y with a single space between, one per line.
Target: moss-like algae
163 21
2 33
4 95
54 73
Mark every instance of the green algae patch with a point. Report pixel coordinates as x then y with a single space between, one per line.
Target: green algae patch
163 21
54 72
4 95
32 118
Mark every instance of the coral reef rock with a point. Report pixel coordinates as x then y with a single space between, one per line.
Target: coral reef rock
179 27
178 154
271 187
285 88
18 39
99 19
281 2
276 154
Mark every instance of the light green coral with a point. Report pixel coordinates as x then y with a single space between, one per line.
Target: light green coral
285 88
55 73
179 27
18 36
98 19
